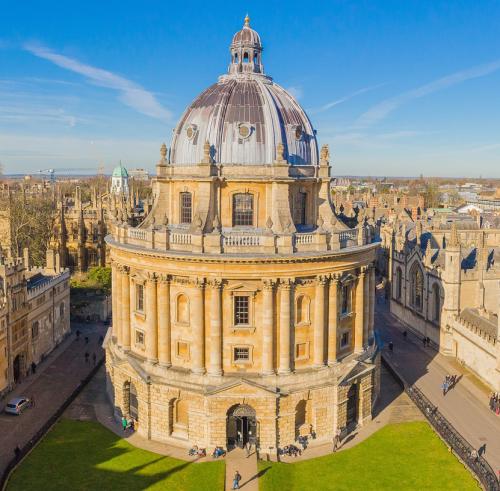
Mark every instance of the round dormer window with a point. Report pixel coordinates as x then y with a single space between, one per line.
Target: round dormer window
191 131
244 130
298 132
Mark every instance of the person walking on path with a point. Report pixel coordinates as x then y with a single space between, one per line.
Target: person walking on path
124 423
86 356
94 357
445 386
336 439
236 480
32 401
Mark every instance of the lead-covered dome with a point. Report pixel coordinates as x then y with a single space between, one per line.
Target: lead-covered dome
244 116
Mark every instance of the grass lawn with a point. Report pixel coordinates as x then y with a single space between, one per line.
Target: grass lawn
398 457
80 455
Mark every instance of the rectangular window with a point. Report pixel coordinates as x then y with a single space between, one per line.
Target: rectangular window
186 206
346 299
242 209
301 350
344 340
241 354
241 311
139 298
139 338
299 208
34 330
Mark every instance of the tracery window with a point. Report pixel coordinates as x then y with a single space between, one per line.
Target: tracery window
436 296
186 207
417 287
242 209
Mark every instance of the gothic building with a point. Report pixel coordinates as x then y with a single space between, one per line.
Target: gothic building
445 285
243 307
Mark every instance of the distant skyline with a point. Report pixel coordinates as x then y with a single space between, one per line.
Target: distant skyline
395 88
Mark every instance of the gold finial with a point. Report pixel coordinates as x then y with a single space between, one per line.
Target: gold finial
247 21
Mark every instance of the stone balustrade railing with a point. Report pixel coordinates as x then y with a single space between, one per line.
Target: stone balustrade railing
260 242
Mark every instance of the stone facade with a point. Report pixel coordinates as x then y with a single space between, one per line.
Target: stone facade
242 304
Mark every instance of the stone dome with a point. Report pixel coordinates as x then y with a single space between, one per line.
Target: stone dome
245 116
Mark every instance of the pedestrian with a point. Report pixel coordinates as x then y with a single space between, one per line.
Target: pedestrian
17 452
445 387
124 423
33 368
94 357
86 356
428 341
424 341
391 346
101 339
405 334
336 439
236 480
32 401
78 334
248 449
86 340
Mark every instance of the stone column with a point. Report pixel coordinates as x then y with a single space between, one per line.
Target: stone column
215 366
125 300
360 308
164 352
371 322
319 322
115 292
285 290
333 319
197 320
366 302
151 320
267 327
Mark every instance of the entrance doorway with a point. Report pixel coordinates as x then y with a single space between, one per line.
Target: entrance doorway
17 368
352 405
241 427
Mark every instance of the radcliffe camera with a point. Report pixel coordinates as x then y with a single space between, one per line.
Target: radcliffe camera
250 246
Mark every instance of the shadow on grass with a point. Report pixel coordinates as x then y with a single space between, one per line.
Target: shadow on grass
85 455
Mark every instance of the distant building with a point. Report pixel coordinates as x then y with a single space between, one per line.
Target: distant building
119 180
139 174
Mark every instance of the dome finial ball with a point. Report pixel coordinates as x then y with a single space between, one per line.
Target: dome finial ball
247 20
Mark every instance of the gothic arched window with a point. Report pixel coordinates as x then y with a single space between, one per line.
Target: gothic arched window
417 287
436 300
399 283
242 209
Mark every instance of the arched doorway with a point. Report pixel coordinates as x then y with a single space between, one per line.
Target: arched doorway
17 368
241 426
352 405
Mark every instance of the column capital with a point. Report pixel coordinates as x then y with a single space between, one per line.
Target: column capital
321 280
286 283
164 279
152 277
215 283
335 277
269 283
122 268
197 282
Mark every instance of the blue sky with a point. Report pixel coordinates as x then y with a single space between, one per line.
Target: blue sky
394 87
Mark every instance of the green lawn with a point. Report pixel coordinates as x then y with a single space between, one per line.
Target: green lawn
406 456
78 455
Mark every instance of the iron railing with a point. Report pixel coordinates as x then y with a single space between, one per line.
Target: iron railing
458 444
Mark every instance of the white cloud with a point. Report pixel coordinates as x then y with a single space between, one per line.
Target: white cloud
384 108
346 98
130 93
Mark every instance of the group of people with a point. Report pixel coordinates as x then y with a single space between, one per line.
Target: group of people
129 424
200 452
290 450
449 382
495 403
218 452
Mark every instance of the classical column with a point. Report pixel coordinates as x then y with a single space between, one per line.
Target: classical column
319 322
115 287
366 302
198 329
151 320
125 300
285 290
163 291
371 322
215 366
267 327
360 307
333 319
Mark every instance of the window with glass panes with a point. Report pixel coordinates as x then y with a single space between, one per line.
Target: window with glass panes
186 207
299 208
242 209
139 297
241 310
241 354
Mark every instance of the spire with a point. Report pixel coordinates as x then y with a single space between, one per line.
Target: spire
247 20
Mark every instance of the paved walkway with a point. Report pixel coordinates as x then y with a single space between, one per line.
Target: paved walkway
237 460
55 379
465 406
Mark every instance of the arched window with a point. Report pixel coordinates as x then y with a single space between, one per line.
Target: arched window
182 311
417 287
302 312
436 300
242 209
255 58
186 207
235 58
130 401
399 283
245 57
345 299
299 208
